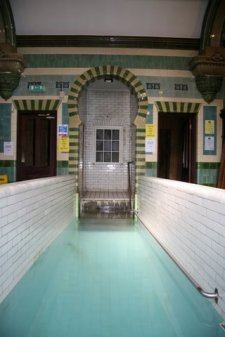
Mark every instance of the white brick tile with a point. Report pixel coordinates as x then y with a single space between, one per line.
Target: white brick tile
190 223
26 229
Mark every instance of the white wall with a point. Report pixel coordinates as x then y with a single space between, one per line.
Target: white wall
32 214
189 220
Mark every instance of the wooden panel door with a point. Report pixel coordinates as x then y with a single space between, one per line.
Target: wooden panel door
36 144
177 146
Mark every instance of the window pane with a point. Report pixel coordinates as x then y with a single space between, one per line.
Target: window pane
115 157
116 134
99 145
115 145
107 145
99 134
99 156
107 156
107 134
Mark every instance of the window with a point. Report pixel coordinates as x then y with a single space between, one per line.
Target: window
107 145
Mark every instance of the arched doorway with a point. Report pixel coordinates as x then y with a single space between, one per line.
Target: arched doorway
125 76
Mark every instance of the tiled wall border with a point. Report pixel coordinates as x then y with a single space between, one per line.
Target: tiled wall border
128 78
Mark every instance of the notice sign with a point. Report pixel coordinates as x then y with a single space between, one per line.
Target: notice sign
8 148
149 145
209 143
149 130
209 127
64 144
63 130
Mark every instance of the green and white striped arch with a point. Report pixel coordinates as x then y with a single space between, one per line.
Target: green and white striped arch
36 104
179 107
132 81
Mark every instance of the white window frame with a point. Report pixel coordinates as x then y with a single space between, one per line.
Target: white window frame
120 144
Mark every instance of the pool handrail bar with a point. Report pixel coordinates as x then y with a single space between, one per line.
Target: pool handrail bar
214 295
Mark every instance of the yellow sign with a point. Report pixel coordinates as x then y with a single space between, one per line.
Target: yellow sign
209 127
149 130
3 179
64 144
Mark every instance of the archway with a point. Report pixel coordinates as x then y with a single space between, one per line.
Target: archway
132 81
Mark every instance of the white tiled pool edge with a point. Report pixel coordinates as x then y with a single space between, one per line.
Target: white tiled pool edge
32 214
189 220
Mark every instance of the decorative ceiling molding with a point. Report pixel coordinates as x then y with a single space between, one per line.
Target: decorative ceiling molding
107 41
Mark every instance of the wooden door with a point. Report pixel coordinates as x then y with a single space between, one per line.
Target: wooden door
177 146
36 144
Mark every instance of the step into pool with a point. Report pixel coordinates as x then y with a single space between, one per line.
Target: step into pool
106 278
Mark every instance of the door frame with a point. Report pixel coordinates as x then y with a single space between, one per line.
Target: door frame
192 148
54 140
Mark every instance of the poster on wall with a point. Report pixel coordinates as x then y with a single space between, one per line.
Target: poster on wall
8 148
209 127
209 143
64 144
149 130
149 145
63 130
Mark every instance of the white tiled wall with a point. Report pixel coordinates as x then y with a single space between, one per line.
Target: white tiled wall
189 220
107 109
32 214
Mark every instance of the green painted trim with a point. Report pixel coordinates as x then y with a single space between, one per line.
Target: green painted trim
73 166
140 138
207 165
7 163
209 185
142 114
74 143
151 165
139 152
140 145
140 166
62 163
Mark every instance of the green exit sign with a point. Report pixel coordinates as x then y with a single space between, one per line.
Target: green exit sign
36 87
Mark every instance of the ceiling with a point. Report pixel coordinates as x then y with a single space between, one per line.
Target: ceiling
155 18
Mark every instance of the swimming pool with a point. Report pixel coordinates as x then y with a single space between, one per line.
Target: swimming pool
106 278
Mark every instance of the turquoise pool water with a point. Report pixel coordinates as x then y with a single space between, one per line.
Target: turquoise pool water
106 278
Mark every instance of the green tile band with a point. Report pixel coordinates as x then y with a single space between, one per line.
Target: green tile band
87 60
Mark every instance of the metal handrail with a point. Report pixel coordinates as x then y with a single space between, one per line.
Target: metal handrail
129 183
214 295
